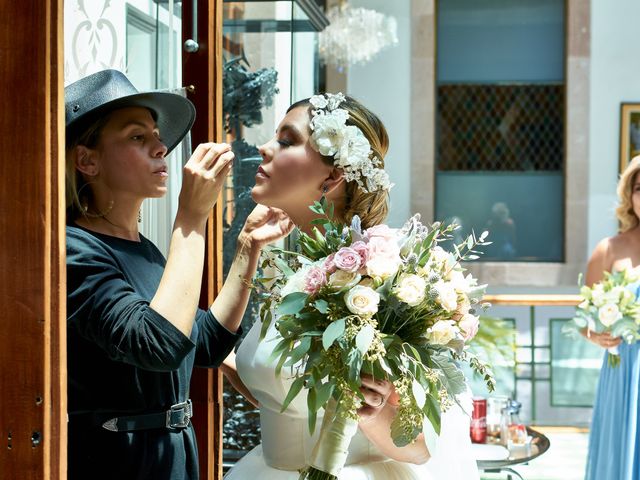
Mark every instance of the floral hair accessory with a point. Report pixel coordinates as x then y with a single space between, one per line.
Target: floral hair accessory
351 150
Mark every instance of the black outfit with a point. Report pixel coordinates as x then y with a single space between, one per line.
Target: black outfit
124 359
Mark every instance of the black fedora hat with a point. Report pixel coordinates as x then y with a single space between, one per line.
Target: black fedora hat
95 95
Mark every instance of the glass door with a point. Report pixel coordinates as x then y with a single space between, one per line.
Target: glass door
270 61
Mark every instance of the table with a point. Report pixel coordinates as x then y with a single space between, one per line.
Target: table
539 444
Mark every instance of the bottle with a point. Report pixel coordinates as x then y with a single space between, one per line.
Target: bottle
513 431
479 420
495 405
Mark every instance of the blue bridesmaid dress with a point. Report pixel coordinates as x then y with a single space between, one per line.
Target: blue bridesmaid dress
614 442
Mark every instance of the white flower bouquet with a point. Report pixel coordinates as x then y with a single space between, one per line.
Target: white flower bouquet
610 306
385 302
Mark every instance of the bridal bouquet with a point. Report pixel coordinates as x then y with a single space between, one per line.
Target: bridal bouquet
389 303
610 306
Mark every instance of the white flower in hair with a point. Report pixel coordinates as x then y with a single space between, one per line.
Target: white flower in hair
354 149
351 150
327 134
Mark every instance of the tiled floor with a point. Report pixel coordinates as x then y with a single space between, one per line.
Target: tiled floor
565 459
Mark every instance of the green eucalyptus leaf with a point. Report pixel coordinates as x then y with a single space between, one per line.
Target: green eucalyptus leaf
299 351
324 393
313 410
322 306
452 376
432 412
354 361
364 338
334 331
283 266
292 303
294 390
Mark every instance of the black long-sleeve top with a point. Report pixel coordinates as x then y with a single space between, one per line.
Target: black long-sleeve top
124 358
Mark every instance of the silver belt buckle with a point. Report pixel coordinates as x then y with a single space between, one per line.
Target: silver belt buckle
184 419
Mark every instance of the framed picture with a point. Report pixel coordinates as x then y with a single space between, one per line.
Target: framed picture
629 133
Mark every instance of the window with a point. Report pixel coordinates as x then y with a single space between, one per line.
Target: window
500 124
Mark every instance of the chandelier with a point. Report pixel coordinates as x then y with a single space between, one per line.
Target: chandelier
355 36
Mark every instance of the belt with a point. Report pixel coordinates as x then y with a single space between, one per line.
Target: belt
177 417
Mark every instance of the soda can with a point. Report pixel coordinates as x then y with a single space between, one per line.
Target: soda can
479 420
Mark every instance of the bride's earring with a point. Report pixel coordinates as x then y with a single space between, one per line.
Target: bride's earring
140 216
325 189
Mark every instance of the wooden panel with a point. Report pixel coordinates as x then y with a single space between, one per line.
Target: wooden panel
32 376
203 70
534 300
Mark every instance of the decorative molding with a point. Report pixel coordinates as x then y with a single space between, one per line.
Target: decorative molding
94 44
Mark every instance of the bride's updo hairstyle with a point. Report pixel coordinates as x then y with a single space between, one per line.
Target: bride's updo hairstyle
371 207
624 211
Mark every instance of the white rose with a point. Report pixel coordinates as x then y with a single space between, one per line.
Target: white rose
410 289
442 332
383 267
597 295
342 279
615 294
459 282
362 300
447 296
441 256
609 314
633 274
584 304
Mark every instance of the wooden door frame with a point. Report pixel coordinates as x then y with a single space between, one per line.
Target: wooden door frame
33 377
33 430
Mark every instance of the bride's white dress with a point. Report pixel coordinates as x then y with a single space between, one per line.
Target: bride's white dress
286 443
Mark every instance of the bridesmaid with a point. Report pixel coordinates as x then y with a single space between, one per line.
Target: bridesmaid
614 440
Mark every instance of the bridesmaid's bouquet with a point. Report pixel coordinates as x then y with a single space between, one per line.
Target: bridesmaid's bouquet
387 302
610 306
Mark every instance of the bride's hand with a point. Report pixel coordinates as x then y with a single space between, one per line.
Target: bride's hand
264 225
376 395
604 339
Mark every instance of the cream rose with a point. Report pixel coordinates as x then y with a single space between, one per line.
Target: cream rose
440 256
342 279
383 267
410 289
362 300
459 282
442 332
609 314
447 296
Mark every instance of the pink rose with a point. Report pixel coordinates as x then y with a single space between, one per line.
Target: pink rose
347 259
362 250
469 325
382 231
381 247
329 265
315 279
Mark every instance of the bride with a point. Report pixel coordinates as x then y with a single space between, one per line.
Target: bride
333 146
